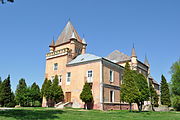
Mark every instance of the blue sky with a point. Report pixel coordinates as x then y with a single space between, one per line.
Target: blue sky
28 26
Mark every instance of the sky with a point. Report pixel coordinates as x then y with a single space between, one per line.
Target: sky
27 28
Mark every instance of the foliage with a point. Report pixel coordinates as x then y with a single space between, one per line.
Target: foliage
143 90
22 93
35 93
176 102
165 94
153 96
7 96
129 89
86 94
57 91
175 84
1 92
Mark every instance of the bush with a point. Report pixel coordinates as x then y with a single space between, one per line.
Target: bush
176 102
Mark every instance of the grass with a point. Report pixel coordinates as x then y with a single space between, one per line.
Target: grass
79 114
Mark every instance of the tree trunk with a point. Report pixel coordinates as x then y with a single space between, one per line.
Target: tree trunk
130 105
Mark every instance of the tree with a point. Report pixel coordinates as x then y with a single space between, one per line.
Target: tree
21 93
175 84
3 1
48 93
165 95
153 96
35 93
6 93
143 89
129 90
0 91
57 91
86 95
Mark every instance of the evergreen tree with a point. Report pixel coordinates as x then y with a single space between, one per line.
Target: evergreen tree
165 95
44 88
7 95
57 91
142 85
35 93
153 96
129 90
86 95
21 93
48 92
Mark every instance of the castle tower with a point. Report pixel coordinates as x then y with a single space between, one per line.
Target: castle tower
147 64
52 46
133 59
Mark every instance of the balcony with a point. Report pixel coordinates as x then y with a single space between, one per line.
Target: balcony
57 53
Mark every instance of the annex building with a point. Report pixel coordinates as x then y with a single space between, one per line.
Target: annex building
68 59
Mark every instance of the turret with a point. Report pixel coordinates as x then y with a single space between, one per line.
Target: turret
52 46
84 46
147 64
133 59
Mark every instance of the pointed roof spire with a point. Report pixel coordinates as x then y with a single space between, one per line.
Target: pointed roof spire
68 33
83 40
73 36
146 61
52 43
133 53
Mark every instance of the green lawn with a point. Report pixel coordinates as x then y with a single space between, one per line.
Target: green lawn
79 114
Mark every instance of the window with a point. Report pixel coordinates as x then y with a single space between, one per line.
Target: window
68 78
52 78
89 76
55 66
111 96
60 79
111 73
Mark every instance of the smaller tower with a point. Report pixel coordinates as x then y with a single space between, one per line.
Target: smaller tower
52 46
133 59
84 45
147 64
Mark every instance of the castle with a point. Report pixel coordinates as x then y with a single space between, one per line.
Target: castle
68 59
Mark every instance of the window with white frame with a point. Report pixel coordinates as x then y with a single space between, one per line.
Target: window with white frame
55 67
89 76
68 78
60 79
111 96
111 74
52 78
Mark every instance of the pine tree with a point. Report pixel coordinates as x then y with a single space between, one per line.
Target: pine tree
142 85
7 95
165 95
21 93
86 95
153 96
129 90
57 91
35 93
44 88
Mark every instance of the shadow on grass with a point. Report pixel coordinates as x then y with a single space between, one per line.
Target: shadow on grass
31 114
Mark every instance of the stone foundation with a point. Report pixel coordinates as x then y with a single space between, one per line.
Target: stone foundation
116 106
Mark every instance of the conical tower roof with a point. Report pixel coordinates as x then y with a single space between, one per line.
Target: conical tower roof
146 61
67 33
133 53
52 43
